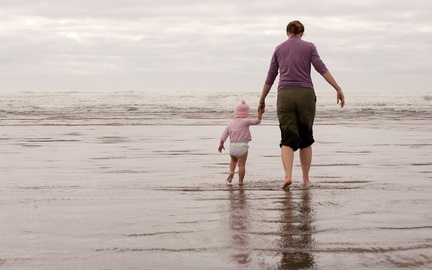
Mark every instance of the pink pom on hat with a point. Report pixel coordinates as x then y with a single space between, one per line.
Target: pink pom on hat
242 110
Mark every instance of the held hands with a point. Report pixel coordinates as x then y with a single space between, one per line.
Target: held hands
261 108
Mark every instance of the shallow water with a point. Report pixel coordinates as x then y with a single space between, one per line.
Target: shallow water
90 183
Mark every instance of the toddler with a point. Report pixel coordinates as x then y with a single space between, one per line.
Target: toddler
239 134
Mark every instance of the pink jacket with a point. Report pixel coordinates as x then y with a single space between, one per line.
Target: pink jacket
238 130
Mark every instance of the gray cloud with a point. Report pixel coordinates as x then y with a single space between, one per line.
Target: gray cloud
216 45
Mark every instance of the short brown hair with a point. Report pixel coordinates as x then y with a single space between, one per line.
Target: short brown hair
295 27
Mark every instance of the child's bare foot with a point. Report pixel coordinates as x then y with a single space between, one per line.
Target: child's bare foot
230 177
286 184
306 182
241 183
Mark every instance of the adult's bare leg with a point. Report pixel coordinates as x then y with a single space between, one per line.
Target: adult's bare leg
287 154
306 161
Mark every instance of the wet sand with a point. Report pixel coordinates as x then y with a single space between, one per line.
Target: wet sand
154 197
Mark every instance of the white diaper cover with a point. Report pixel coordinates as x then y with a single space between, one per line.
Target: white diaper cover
238 149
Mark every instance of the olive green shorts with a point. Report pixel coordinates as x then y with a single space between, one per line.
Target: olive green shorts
296 113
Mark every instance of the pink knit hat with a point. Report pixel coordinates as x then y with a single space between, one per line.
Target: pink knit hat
242 110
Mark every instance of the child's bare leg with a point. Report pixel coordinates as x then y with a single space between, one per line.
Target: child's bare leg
233 165
287 154
306 160
242 168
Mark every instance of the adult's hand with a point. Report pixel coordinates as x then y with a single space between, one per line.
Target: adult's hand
340 98
261 107
265 91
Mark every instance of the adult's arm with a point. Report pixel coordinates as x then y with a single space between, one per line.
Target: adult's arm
265 91
339 96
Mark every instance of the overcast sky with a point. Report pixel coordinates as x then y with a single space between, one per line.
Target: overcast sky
197 45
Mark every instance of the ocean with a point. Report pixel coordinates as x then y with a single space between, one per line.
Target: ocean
195 108
133 180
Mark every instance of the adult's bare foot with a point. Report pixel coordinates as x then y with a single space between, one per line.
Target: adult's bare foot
286 184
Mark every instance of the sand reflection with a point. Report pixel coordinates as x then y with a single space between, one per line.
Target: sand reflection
238 221
297 231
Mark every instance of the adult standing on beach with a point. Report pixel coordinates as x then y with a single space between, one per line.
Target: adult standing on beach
296 97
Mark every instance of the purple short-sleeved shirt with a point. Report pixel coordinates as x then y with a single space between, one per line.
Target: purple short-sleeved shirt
293 59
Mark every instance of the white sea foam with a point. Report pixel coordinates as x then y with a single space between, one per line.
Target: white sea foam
146 108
